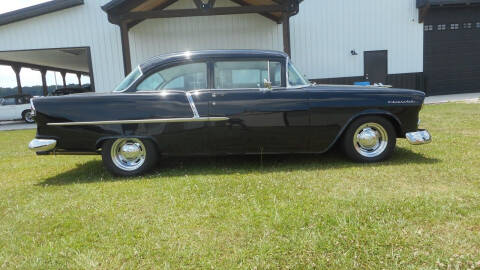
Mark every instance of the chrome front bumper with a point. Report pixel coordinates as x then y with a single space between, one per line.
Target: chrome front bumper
419 137
42 145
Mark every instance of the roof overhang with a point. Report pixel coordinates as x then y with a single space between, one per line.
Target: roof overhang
434 3
75 60
133 11
37 10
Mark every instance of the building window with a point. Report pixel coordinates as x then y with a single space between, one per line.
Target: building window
441 27
478 24
467 25
428 27
454 26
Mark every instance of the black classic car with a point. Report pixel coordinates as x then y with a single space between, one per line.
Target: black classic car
225 102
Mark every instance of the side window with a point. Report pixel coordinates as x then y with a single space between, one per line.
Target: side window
182 77
294 77
246 74
9 101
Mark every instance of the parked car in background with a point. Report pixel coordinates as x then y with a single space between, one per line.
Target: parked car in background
70 90
16 107
225 102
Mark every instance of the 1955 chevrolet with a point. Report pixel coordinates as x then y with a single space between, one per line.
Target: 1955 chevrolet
224 102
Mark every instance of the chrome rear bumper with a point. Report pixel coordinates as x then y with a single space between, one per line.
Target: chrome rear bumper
42 145
419 137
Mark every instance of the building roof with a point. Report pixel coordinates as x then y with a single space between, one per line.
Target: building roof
192 55
423 3
37 10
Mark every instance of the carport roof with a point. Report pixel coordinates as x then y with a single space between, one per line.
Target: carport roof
140 8
37 10
424 3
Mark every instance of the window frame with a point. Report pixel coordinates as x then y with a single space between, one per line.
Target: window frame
280 60
133 87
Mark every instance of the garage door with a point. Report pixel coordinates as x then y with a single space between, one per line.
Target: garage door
452 50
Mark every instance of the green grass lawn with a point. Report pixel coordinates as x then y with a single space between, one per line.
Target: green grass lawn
420 210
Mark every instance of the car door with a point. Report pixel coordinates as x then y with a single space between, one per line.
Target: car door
261 120
178 83
8 109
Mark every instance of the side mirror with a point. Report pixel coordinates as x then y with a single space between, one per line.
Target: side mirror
267 84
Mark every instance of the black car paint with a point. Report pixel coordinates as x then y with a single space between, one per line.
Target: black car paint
282 120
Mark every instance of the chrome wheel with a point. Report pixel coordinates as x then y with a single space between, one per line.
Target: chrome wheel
370 140
28 117
128 154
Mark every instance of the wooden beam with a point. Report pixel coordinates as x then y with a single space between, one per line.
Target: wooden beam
40 67
79 76
17 69
44 81
198 3
127 60
64 74
266 15
422 13
160 7
199 12
286 34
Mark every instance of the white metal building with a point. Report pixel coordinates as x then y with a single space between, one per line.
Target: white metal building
331 41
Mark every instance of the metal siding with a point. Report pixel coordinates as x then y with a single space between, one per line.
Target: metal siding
324 33
80 26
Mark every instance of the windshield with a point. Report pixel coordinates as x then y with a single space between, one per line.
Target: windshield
129 80
295 78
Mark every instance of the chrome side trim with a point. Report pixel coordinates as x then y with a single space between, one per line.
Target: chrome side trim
42 145
142 121
192 105
419 137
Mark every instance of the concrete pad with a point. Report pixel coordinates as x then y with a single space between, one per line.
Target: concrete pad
452 98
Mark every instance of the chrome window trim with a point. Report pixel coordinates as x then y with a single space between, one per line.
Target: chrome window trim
142 121
130 85
192 105
286 77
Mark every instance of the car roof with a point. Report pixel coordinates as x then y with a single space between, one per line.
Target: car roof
192 55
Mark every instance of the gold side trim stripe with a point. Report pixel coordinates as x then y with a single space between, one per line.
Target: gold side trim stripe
142 121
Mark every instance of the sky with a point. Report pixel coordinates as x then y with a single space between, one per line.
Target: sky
10 5
28 77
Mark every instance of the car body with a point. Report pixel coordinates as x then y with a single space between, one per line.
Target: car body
70 90
16 107
225 102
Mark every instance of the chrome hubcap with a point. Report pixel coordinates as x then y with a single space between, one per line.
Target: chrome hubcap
128 154
370 140
28 117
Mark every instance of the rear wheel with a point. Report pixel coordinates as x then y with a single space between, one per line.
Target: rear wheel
129 156
28 117
370 139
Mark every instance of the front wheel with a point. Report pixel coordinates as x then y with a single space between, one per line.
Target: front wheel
129 156
28 117
369 139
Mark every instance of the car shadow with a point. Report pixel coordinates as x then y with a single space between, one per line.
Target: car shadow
93 171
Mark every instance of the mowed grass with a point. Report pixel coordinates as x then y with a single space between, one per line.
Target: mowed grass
420 210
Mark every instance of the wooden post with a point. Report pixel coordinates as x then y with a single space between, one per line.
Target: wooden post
17 69
44 81
286 34
127 61
64 74
79 76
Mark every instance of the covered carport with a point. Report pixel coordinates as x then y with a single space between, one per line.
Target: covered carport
128 13
71 61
